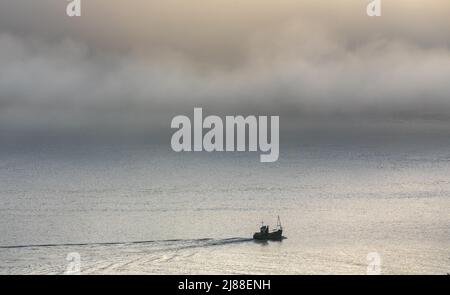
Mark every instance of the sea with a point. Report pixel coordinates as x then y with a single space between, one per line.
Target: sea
359 206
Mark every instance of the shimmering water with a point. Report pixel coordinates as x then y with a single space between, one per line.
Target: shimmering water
142 209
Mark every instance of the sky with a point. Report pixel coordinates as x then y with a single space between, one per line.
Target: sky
129 67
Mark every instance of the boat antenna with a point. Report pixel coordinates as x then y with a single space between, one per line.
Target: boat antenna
279 222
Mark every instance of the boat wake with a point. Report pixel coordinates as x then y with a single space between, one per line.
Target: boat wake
139 257
193 242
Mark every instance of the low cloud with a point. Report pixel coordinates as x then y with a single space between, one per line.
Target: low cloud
71 83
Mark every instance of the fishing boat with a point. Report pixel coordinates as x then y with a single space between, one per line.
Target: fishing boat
265 234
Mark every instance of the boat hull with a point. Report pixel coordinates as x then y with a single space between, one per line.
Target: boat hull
275 235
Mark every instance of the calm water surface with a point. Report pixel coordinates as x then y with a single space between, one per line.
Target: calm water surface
142 209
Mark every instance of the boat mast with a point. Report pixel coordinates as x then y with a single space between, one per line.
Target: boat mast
279 222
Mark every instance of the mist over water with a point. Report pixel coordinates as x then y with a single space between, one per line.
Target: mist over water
86 105
141 208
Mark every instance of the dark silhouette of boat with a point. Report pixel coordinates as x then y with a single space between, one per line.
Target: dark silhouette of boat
265 234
